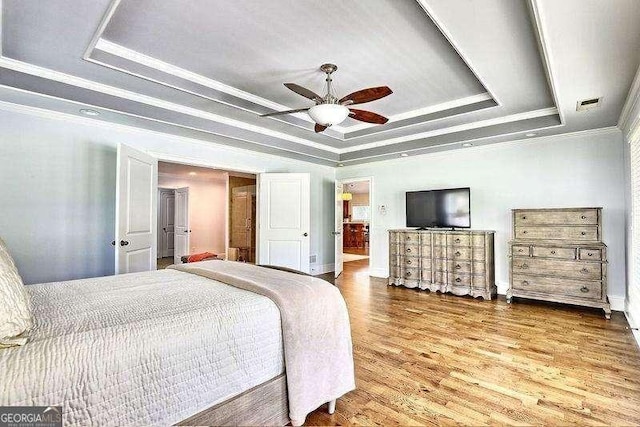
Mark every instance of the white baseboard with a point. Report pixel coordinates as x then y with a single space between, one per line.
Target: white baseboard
317 269
633 324
617 302
382 273
502 287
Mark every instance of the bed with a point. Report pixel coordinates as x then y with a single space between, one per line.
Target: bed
206 343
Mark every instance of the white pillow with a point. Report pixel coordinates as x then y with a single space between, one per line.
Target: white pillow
15 308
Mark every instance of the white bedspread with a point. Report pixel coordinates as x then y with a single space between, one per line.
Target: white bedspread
145 348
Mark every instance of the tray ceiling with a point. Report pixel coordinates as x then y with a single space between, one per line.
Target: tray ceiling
461 71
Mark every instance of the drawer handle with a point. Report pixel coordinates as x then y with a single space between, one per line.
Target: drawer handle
458 266
553 252
583 233
524 266
408 273
457 253
524 217
583 217
525 283
589 254
408 249
524 232
408 237
457 240
519 250
584 289
408 261
584 271
458 279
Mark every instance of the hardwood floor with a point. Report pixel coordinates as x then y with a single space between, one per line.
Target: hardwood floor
426 358
356 251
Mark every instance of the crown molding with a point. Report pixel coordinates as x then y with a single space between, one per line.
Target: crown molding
545 53
610 130
626 122
467 126
46 73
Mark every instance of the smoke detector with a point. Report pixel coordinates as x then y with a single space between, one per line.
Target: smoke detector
588 104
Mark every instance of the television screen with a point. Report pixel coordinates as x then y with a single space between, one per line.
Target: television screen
439 208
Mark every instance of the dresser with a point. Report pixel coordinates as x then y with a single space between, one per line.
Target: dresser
558 255
460 262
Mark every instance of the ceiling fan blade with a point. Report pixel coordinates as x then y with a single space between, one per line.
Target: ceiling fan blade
366 95
304 92
277 113
367 116
319 128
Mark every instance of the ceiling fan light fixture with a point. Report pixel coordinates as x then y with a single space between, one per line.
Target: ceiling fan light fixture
328 114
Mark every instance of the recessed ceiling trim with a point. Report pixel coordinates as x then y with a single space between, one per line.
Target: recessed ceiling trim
337 132
432 15
467 126
106 18
545 53
49 74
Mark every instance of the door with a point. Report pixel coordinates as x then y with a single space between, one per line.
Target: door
181 225
284 218
337 233
136 211
167 216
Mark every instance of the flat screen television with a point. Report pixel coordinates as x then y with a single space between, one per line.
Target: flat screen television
439 208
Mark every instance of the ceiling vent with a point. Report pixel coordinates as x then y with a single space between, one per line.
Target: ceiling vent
588 104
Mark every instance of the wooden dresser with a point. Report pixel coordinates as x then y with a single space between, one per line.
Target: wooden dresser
460 262
558 255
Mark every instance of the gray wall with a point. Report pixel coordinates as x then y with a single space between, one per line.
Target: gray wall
563 171
57 198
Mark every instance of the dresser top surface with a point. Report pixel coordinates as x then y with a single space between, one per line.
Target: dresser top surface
555 209
439 230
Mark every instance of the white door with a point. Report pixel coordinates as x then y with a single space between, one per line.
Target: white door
181 225
339 263
284 218
136 211
167 216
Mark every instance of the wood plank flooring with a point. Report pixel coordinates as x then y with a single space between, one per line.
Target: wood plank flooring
431 359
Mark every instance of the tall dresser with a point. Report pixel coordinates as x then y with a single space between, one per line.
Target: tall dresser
558 255
460 262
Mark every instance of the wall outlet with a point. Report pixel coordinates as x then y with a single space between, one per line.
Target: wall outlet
313 259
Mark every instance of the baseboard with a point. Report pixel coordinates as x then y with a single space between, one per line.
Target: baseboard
617 302
317 269
382 273
503 287
633 324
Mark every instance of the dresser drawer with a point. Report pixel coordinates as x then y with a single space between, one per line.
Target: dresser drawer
459 279
408 237
411 250
466 267
453 252
556 267
458 240
552 286
551 252
590 254
410 261
410 273
570 233
520 250
559 217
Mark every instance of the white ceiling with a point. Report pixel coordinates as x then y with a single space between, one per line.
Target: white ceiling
483 71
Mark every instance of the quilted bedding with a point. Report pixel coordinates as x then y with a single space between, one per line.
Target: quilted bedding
169 344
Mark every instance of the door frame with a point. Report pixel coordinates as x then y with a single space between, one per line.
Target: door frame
189 161
369 179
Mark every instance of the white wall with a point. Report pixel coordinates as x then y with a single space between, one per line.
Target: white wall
207 211
57 198
564 171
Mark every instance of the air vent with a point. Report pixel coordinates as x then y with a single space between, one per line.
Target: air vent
313 259
588 104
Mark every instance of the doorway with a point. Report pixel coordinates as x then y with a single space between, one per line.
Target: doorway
197 214
356 221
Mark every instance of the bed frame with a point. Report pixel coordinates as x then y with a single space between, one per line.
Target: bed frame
265 405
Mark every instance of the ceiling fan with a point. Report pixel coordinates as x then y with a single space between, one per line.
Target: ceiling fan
329 110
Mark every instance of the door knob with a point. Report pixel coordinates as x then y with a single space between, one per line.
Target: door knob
113 243
336 233
123 243
305 234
